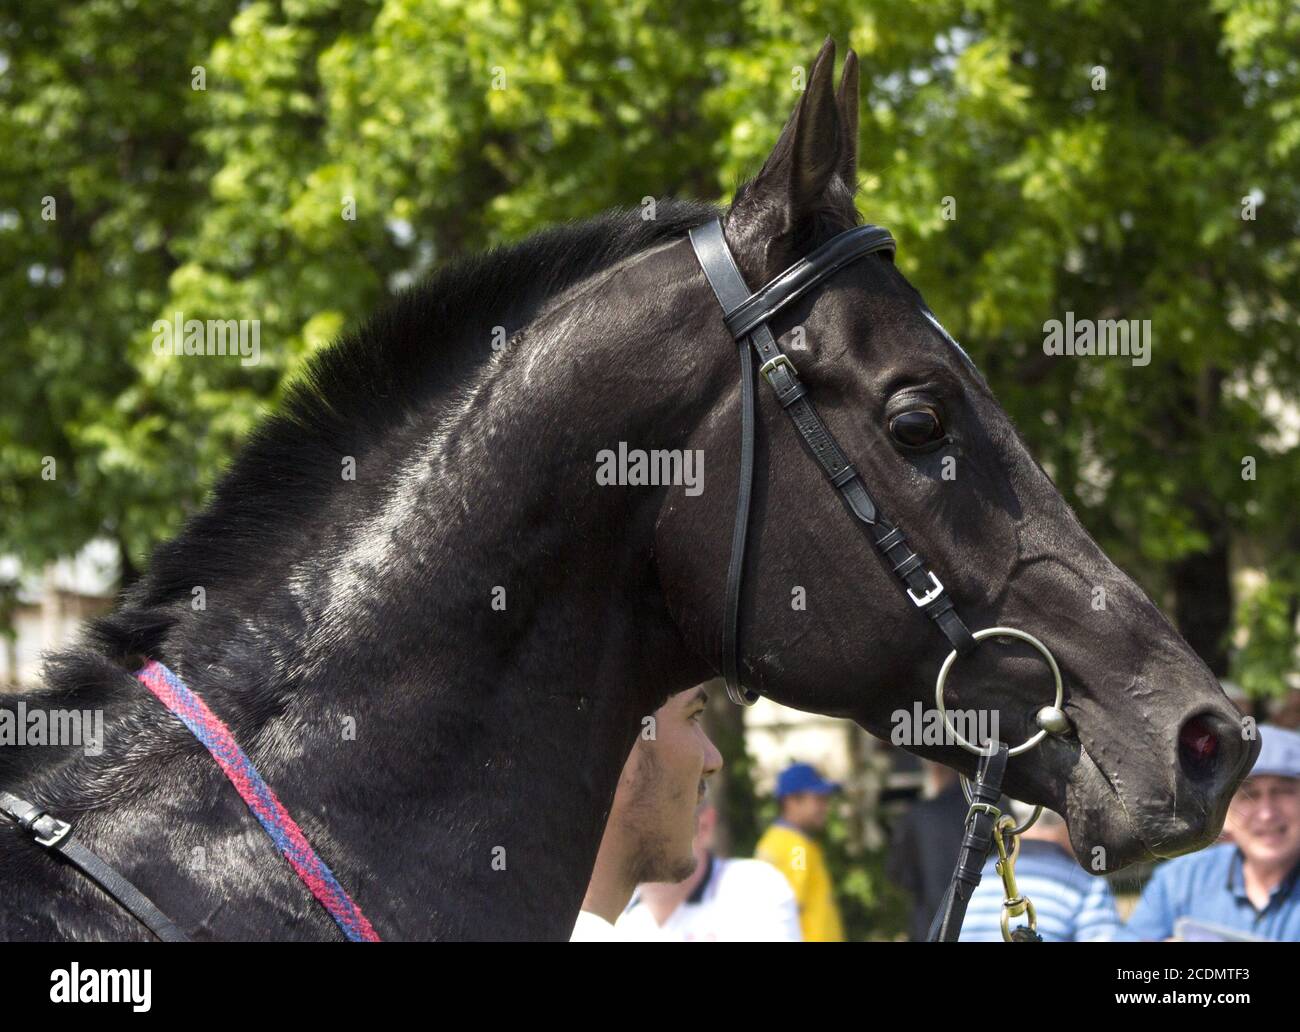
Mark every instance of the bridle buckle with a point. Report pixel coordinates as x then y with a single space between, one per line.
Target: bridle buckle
45 829
772 364
930 595
56 832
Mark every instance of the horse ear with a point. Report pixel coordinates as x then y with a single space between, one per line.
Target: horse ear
818 137
847 101
777 205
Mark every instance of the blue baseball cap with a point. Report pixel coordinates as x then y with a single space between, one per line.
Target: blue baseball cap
1279 752
802 777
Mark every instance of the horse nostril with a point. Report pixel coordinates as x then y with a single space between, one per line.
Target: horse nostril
1198 747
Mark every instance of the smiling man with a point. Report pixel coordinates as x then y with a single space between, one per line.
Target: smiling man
651 826
1248 886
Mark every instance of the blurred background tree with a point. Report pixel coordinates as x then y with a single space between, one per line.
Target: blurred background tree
296 162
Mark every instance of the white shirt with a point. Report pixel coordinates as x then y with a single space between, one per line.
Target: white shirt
738 901
592 928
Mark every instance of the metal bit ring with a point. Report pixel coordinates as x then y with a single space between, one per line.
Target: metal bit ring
1000 632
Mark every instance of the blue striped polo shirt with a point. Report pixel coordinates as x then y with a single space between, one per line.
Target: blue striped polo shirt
1071 904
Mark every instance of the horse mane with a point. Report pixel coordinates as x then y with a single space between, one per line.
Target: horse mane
370 392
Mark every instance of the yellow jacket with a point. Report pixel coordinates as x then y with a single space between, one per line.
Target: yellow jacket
800 859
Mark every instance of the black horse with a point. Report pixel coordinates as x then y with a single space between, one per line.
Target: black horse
441 663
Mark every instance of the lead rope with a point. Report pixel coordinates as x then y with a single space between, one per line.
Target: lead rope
981 820
987 827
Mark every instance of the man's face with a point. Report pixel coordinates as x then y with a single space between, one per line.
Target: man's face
1265 819
807 811
662 788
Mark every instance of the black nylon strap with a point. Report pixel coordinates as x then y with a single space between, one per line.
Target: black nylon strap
56 836
746 317
980 823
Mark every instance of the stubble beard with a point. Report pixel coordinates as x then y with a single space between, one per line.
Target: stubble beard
653 857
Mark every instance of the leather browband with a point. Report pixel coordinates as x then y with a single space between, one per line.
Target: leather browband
805 274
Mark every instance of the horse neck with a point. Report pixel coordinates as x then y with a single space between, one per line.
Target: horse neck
515 604
442 693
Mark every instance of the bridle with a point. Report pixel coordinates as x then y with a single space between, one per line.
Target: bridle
746 316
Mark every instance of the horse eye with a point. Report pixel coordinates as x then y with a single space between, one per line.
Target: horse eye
916 428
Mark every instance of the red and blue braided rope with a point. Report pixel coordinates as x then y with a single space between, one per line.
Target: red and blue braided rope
209 729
